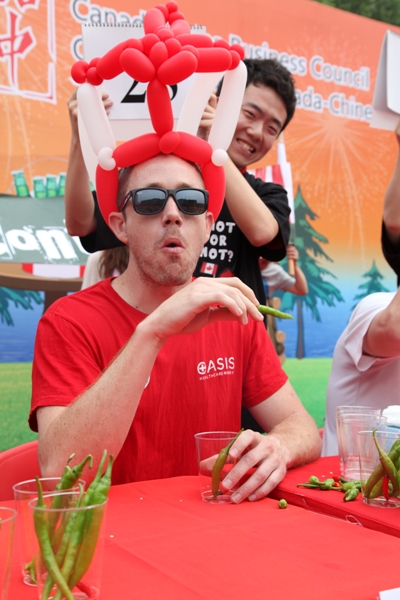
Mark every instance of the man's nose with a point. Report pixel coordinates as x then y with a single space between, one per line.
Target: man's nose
256 129
171 213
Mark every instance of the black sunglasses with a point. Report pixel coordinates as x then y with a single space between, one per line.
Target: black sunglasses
152 200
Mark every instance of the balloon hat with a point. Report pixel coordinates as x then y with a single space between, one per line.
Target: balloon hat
167 54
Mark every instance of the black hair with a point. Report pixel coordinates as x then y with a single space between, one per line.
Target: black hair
271 73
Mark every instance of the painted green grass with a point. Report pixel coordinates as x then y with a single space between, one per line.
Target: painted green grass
309 378
15 399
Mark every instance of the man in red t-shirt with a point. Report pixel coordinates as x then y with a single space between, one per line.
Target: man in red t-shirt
139 363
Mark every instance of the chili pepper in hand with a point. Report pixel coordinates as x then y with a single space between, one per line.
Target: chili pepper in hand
219 465
46 550
267 310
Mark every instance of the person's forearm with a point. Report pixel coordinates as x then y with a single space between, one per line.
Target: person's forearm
391 205
299 436
79 203
301 286
101 417
254 219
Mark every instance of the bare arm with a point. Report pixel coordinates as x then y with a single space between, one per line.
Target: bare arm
79 204
292 440
391 205
87 425
254 219
383 336
301 286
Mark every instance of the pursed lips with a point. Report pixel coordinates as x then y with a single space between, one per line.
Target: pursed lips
173 245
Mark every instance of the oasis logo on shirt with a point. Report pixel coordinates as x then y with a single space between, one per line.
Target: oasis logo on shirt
216 368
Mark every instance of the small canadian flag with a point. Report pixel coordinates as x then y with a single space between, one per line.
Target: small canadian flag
209 268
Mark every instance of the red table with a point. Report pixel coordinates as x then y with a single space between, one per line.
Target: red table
163 542
331 503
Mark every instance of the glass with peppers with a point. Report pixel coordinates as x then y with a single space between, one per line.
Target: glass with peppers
214 464
379 452
7 521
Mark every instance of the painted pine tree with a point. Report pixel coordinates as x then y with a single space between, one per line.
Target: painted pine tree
371 286
308 243
22 298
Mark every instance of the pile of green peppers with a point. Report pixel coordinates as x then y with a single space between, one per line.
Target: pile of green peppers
67 547
385 479
351 489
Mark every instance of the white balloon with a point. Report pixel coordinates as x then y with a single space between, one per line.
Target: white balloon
106 161
95 118
196 101
219 157
228 109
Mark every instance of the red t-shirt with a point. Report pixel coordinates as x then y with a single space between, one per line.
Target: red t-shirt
198 382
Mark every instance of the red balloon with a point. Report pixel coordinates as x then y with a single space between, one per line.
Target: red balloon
164 33
193 148
177 68
137 150
152 19
172 6
222 44
235 59
164 10
239 49
133 43
199 40
214 181
158 54
93 77
169 142
109 65
160 108
79 70
180 27
94 61
137 65
176 16
212 60
107 188
148 42
173 46
191 49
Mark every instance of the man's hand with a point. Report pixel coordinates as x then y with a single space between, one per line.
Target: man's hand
292 253
208 117
203 301
261 461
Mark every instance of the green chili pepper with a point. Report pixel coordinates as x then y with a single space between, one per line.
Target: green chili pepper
351 494
77 532
219 465
327 484
388 465
378 473
313 486
48 586
314 479
92 527
267 310
46 550
282 503
350 485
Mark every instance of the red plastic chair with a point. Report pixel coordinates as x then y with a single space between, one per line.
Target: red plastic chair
17 464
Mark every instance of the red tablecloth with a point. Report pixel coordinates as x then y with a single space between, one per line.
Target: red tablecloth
331 503
163 542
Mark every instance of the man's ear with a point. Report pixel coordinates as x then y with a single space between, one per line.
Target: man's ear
117 224
209 224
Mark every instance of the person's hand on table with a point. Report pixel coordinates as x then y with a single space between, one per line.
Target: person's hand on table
260 460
